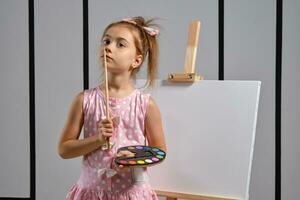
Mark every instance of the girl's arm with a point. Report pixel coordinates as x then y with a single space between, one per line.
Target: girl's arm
69 145
154 129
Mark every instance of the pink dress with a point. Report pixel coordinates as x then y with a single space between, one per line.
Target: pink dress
100 179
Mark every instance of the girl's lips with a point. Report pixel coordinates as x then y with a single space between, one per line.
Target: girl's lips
107 57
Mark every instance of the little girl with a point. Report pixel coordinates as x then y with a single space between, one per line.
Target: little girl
134 117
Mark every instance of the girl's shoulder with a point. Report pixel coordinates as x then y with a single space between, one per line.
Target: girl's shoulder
89 96
90 93
78 98
91 90
143 94
144 98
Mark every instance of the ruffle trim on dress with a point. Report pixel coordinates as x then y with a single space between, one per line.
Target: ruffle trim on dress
136 193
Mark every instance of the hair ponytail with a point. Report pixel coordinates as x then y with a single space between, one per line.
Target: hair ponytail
152 61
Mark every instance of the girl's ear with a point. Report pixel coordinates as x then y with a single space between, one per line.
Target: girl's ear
137 62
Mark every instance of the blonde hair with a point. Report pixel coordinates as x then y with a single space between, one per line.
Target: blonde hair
146 45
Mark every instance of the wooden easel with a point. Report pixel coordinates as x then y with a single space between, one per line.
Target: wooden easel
176 195
189 74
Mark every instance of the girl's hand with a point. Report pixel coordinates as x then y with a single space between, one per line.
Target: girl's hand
124 154
105 129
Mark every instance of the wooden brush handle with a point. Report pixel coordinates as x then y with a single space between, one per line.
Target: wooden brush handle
106 93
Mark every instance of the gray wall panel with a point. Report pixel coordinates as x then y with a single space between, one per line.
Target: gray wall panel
58 27
249 54
290 100
14 106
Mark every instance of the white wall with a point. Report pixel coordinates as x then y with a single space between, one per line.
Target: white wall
249 54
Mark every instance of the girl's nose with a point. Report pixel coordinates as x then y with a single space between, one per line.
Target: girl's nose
108 47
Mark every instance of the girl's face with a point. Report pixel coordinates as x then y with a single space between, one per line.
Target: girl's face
121 54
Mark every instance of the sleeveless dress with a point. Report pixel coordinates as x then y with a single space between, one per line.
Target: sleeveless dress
100 179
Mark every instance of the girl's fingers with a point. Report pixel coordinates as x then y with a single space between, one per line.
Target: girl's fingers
105 128
119 154
108 126
107 135
107 131
125 153
106 123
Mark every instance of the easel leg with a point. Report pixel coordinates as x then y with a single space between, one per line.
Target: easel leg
171 198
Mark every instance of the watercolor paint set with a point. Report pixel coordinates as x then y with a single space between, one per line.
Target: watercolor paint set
144 156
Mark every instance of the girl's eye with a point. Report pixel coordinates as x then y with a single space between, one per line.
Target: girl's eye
121 45
106 42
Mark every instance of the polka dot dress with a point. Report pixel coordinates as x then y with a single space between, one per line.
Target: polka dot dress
99 178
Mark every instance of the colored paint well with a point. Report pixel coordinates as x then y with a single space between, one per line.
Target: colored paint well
148 153
155 159
132 162
155 149
160 156
160 153
147 148
123 161
139 147
141 162
148 161
130 148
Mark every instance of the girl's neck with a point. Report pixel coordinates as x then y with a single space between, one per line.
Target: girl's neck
119 82
118 86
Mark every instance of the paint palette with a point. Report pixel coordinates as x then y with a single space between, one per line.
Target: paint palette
144 156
